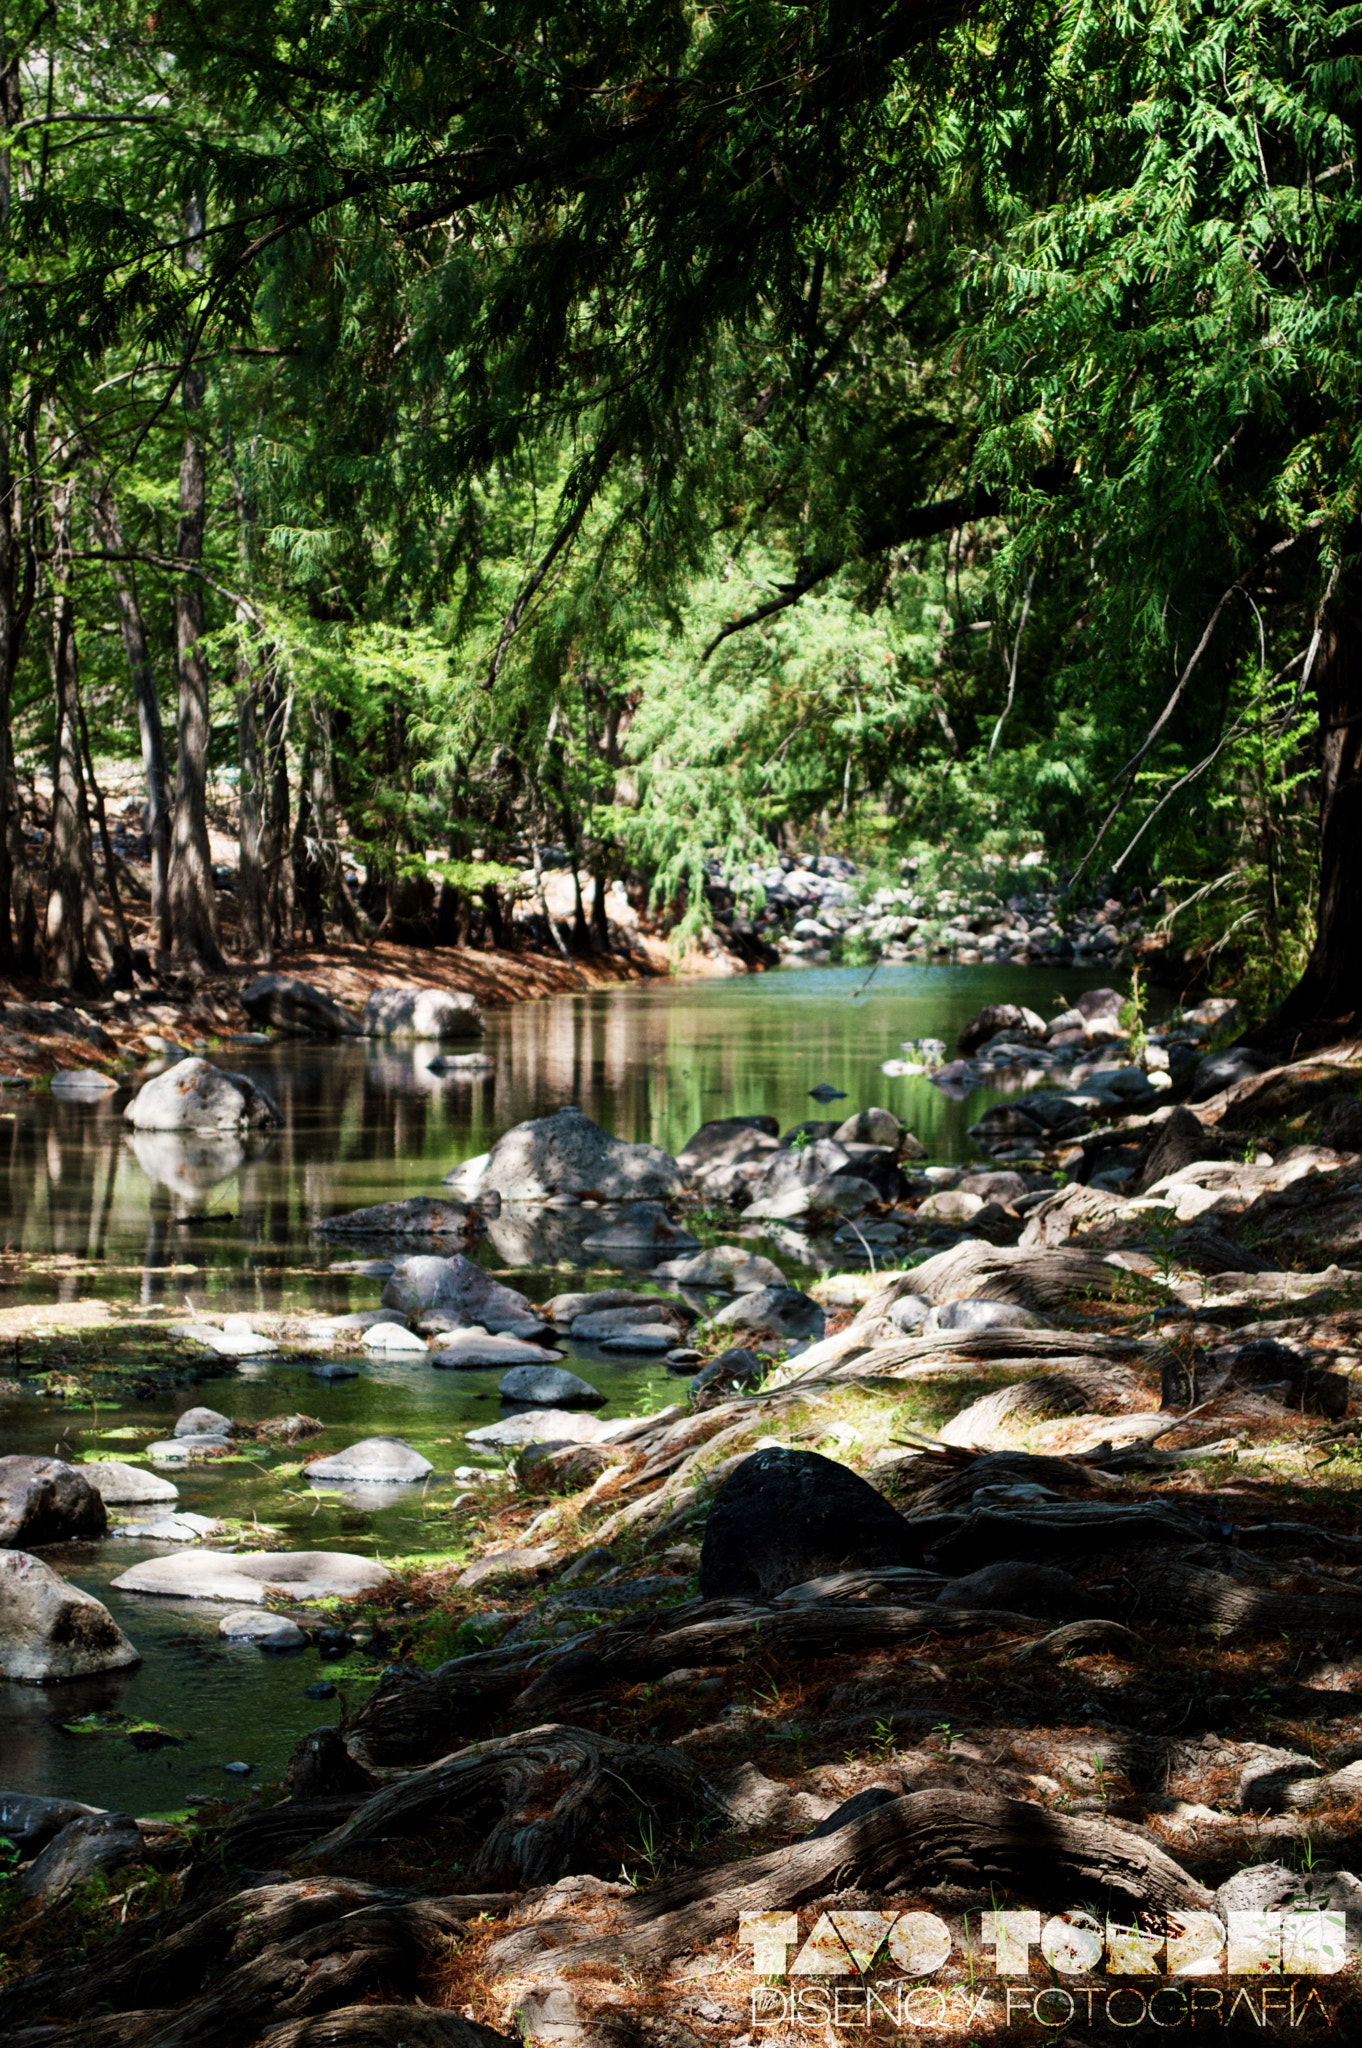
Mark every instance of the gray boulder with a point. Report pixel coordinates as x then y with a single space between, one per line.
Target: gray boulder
1100 1006
641 1337
548 1386
84 1849
194 1095
333 1369
728 1266
427 1218
1001 1017
870 1127
82 1084
248 1578
733 1371
30 1820
836 1195
429 1013
981 1314
203 1422
565 1308
567 1154
457 1284
297 1008
539 1426
607 1322
50 1631
120 1485
472 1350
271 1631
641 1227
728 1141
786 1516
393 1336
45 1500
380 1460
779 1311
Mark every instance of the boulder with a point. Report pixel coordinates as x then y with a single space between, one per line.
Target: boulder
780 1311
333 1369
567 1154
120 1485
430 1013
733 1371
194 1095
996 1018
730 1267
271 1631
85 1084
30 1820
597 1323
1183 1141
641 1337
539 1426
993 1187
393 1337
640 1227
835 1195
786 1516
1100 1006
548 1386
870 1127
422 1217
248 1578
50 1631
909 1313
295 1007
45 1500
458 1285
204 1422
1021 1588
728 1141
950 1205
380 1460
84 1849
472 1350
565 1308
979 1313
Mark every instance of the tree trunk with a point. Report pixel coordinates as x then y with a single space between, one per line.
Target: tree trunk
72 902
600 924
18 584
109 528
121 965
276 705
250 875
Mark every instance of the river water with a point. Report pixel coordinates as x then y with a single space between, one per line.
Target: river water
361 1125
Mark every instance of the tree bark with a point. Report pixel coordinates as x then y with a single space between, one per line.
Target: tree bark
121 966
250 874
109 528
72 914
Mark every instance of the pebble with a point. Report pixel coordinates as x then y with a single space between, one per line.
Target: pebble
239 1770
322 1690
335 1369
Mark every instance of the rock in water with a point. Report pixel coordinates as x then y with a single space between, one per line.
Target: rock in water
728 1141
246 1578
471 1350
783 1311
380 1460
997 1018
640 1227
426 1218
271 1631
84 1849
203 1422
593 1324
429 1013
870 1127
51 1631
30 1821
297 1008
786 1516
728 1266
458 1285
548 1386
395 1337
44 1500
567 1154
825 1092
120 1485
82 1083
194 1095
539 1426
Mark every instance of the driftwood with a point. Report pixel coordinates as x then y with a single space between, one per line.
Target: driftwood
1095 1634
1067 1530
1185 1592
958 1351
594 1789
924 1838
386 2026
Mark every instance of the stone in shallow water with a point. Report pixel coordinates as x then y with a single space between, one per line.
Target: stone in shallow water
641 1227
122 1485
182 1450
468 1350
45 1500
202 1422
593 1324
727 1266
243 1577
182 1528
459 1285
271 1631
644 1338
84 1849
548 1386
393 1337
335 1369
84 1082
30 1820
236 1338
50 1631
380 1460
541 1426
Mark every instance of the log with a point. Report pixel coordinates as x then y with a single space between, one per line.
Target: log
1098 1633
386 2026
960 1350
924 1838
1186 1592
592 1786
1073 1530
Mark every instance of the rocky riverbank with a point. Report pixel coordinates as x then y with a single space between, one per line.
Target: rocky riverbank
1025 1570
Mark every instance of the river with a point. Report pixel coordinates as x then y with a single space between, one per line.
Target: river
360 1125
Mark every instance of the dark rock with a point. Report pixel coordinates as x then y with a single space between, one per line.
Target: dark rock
297 1008
1022 1588
1342 1125
998 1017
422 1216
1099 1005
45 1500
548 1386
825 1092
853 1809
1182 1141
322 1690
84 1849
734 1370
30 1821
809 1132
321 1767
782 1311
1222 1069
728 1141
786 1516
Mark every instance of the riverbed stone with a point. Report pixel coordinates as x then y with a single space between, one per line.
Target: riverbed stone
120 1485
394 1337
640 1227
87 1848
428 1013
565 1308
548 1386
188 1450
297 1008
836 1194
50 1631
271 1631
779 1311
194 1095
333 1369
250 1577
30 1819
379 1460
429 1218
730 1267
181 1527
641 1338
785 1516
457 1284
45 1500
204 1422
540 1426
996 1018
594 1324
568 1154
236 1339
473 1350
728 1141
84 1084
870 1127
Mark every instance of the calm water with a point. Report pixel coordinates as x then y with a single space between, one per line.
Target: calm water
360 1125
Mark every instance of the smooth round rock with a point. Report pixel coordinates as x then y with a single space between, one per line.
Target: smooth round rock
271 1631
981 1314
51 1631
335 1369
470 1350
45 1500
202 1422
194 1095
784 1516
392 1337
379 1460
548 1386
648 1337
248 1577
82 1081
120 1485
